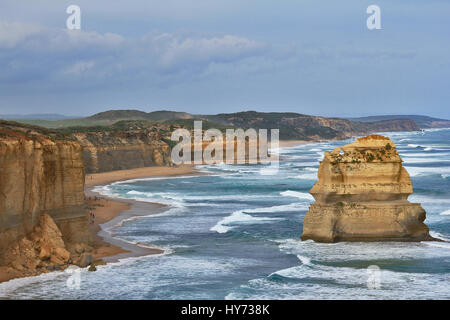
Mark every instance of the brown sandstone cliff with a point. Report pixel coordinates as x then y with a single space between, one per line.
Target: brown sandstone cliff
125 149
361 195
41 188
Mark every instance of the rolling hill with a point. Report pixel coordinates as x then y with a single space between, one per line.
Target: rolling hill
293 126
424 122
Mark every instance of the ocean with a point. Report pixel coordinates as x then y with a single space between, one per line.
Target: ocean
235 234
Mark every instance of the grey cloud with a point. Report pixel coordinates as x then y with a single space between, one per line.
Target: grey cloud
32 53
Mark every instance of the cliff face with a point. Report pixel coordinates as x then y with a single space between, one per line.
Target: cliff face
39 173
119 150
361 195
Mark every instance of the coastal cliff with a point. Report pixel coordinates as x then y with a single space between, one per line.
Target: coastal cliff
361 195
42 205
124 146
294 126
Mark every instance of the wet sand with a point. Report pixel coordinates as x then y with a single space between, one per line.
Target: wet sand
111 212
104 178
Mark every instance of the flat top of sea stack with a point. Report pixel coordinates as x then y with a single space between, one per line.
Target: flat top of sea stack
372 141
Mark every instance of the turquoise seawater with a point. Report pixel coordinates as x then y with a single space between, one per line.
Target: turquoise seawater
235 234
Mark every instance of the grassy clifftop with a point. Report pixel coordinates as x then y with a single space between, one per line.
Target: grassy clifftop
293 126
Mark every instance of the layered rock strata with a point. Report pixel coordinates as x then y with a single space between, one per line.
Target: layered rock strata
362 195
108 151
41 190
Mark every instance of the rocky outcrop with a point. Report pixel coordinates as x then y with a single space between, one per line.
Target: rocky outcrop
41 172
43 248
119 150
361 195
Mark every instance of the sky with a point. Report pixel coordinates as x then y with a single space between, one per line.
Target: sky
210 56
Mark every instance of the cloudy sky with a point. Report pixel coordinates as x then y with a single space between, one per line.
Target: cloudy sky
210 56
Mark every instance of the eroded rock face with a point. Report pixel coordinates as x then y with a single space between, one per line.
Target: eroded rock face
41 196
361 195
36 176
42 248
108 151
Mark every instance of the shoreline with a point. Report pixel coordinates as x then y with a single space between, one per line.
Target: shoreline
104 178
111 212
111 249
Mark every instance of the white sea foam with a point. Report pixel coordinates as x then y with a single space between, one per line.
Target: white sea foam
282 208
296 194
334 283
424 147
418 198
439 236
243 216
424 155
306 164
10 286
423 160
299 157
139 193
163 198
321 281
445 213
179 200
153 179
307 176
237 217
128 260
438 245
304 260
345 251
420 171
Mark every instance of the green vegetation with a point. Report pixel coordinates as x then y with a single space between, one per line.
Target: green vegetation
32 131
292 126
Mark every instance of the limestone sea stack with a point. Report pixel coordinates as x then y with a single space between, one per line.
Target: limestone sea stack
362 195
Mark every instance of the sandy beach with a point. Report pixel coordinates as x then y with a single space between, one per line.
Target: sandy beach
104 178
111 212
